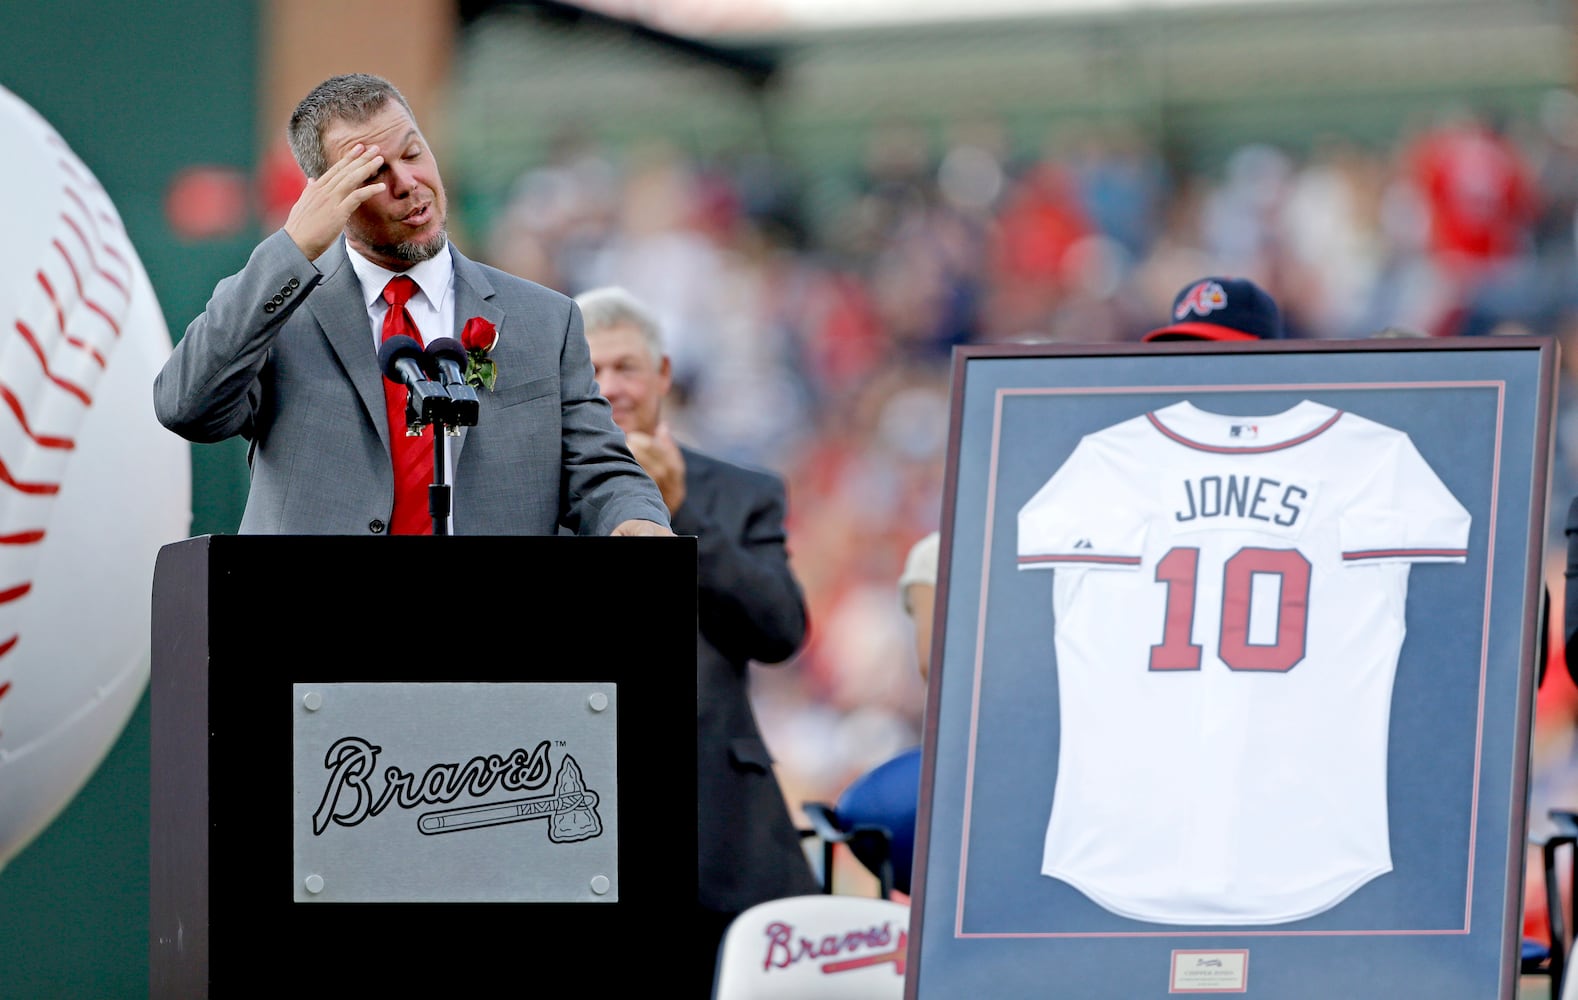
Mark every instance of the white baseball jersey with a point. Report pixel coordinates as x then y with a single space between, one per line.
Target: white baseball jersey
1229 600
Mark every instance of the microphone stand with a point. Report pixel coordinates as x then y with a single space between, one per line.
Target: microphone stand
446 425
457 408
438 492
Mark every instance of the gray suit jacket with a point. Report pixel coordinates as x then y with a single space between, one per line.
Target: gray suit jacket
283 355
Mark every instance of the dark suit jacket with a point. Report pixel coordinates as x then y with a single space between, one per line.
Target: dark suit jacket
284 355
749 608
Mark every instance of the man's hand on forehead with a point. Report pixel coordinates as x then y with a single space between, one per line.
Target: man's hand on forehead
327 202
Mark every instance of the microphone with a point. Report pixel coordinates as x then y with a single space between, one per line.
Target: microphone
401 359
448 355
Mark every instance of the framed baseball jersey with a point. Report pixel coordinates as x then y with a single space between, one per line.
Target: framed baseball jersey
1233 670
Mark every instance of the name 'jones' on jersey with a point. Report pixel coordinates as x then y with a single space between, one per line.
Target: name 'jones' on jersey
1255 498
1229 600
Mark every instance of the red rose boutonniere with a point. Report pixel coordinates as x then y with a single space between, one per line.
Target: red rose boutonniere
478 338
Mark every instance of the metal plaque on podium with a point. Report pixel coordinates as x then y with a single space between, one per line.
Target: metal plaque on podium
451 793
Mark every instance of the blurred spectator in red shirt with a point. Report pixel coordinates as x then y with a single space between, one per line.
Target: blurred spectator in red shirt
1479 192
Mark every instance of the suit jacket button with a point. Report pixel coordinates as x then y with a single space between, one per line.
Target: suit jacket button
285 291
269 307
278 300
295 282
375 526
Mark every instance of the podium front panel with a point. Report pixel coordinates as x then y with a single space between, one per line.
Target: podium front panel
549 679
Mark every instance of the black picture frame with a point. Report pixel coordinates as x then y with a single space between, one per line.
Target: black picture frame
1444 920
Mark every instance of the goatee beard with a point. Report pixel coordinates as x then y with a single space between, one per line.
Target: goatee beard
414 252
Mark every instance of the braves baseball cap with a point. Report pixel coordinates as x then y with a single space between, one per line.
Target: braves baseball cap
1218 308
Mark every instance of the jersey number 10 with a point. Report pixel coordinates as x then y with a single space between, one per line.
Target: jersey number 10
1179 570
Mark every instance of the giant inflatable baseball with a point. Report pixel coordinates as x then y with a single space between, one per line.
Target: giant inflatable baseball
91 486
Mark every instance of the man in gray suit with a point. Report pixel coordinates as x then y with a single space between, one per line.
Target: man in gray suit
286 354
749 607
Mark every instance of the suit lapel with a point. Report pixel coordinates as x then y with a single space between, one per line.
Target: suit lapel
338 307
474 296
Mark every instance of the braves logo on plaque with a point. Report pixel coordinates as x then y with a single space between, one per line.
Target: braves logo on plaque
355 792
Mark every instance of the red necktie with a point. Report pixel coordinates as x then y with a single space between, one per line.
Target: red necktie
412 456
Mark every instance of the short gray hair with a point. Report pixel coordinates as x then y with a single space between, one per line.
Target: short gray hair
351 97
612 305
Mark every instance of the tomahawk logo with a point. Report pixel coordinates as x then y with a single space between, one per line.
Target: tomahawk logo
349 797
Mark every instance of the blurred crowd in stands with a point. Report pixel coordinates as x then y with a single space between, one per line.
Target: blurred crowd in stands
811 319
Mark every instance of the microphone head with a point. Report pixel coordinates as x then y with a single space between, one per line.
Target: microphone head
396 349
446 349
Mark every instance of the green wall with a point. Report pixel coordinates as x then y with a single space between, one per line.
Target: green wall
139 91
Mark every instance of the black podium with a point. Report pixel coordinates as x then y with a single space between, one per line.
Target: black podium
484 778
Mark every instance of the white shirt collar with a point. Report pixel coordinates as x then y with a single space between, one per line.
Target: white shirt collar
433 276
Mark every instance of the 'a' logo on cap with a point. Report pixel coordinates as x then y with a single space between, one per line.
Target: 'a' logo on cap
1202 300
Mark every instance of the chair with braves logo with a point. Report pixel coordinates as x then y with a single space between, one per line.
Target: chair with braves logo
816 947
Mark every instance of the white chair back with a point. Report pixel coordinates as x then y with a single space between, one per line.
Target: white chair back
816 947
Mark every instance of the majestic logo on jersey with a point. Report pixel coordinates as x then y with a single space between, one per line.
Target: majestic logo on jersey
1202 300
